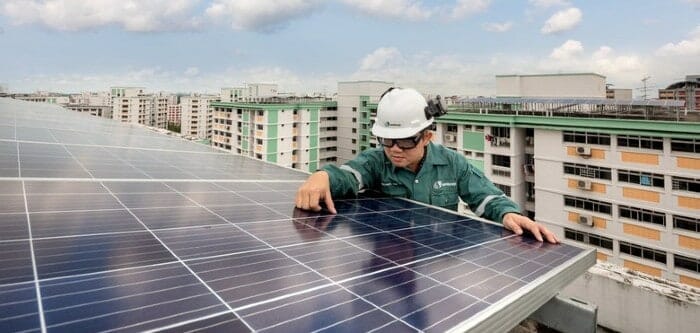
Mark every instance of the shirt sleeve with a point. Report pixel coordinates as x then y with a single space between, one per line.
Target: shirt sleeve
483 197
356 175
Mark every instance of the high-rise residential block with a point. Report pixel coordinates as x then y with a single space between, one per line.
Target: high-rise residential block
357 106
622 178
197 115
293 132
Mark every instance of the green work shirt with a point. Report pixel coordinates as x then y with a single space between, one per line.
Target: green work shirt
444 177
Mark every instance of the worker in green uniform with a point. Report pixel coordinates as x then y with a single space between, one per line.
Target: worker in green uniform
410 165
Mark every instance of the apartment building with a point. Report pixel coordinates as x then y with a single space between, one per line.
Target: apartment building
293 132
43 97
617 93
197 116
251 92
133 105
357 106
174 114
104 111
624 179
687 91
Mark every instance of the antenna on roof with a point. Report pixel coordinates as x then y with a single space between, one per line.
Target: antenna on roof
645 89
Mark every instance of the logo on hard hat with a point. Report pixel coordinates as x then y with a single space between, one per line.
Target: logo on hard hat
388 124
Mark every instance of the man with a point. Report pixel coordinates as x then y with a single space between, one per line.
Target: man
411 166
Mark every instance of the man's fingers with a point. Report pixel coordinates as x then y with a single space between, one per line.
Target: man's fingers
514 227
329 202
314 199
550 236
535 230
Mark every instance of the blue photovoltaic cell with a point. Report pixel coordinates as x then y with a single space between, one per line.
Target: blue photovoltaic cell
82 223
223 323
330 309
74 201
128 300
14 226
175 217
202 240
19 311
97 253
15 262
248 278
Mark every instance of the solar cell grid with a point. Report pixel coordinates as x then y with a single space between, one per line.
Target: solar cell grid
166 234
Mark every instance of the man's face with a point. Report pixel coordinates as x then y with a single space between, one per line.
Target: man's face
408 158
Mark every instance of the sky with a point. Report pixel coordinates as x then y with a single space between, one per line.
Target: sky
448 47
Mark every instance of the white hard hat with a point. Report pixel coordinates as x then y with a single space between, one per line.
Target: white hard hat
401 114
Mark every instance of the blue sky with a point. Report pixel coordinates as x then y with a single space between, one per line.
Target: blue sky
307 46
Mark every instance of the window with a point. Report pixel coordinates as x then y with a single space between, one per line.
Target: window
642 215
451 128
646 142
587 137
686 184
640 178
592 239
500 160
258 141
686 145
259 127
504 188
588 171
588 204
502 132
530 191
261 113
686 223
643 252
691 264
478 128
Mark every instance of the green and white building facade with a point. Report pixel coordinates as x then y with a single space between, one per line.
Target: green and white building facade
628 187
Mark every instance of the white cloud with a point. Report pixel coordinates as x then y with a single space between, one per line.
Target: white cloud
430 73
567 51
549 3
624 70
260 15
73 15
409 10
191 71
694 3
498 27
563 20
381 58
686 47
465 8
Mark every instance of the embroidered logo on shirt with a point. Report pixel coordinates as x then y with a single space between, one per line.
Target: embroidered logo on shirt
439 184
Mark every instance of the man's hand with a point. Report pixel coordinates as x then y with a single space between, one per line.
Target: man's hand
315 189
517 222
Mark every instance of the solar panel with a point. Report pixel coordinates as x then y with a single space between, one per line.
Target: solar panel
110 227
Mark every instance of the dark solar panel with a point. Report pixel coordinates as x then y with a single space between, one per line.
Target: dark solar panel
116 228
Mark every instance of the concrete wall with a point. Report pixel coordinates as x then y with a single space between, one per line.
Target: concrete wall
630 303
585 85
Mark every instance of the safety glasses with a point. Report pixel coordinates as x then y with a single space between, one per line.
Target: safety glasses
405 143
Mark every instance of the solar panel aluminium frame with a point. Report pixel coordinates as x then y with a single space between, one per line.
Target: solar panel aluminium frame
518 306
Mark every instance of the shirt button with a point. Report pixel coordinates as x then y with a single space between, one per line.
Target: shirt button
417 181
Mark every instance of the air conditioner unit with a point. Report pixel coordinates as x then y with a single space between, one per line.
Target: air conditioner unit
450 138
583 151
585 220
584 185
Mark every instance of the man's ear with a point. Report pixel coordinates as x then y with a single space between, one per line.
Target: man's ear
428 135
